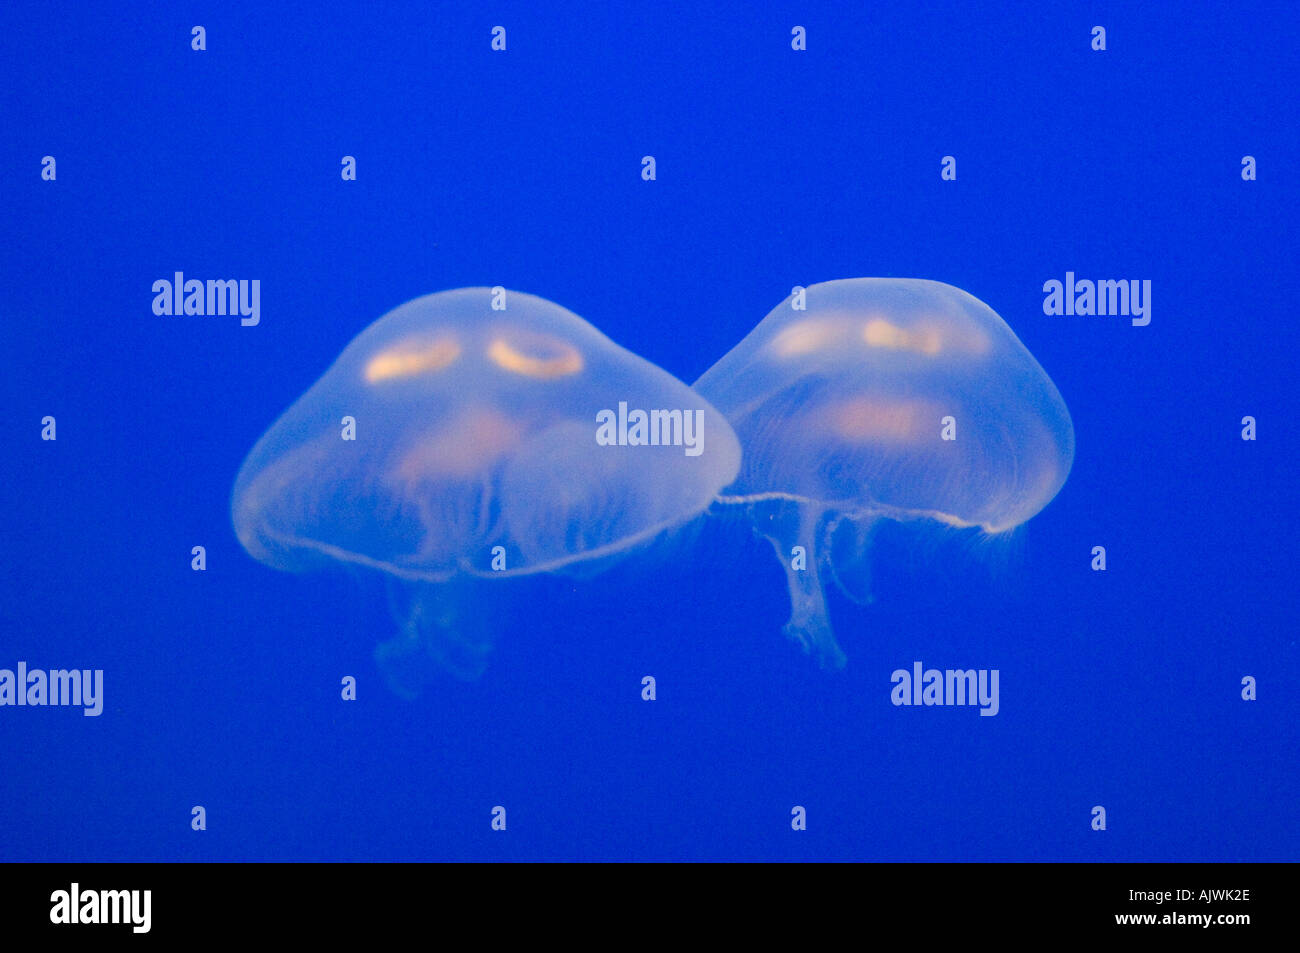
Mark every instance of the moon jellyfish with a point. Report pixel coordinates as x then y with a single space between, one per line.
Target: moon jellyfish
453 447
874 398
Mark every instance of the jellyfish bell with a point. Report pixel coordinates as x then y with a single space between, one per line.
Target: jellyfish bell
452 442
883 398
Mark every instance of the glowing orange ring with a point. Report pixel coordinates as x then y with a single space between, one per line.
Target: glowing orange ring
410 359
565 359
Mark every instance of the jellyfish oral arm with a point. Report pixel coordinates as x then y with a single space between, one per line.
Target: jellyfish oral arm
442 630
808 624
797 525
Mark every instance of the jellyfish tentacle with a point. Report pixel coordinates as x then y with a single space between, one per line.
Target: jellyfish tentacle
401 663
850 568
439 633
809 624
451 630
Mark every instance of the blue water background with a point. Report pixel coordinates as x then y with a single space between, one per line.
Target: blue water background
775 168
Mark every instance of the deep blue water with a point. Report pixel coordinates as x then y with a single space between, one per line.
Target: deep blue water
774 168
